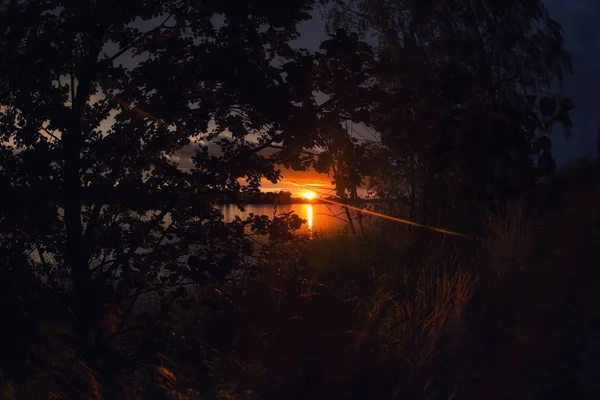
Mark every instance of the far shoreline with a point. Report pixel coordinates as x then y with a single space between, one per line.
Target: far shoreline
305 201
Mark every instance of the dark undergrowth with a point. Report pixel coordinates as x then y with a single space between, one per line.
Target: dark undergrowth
514 314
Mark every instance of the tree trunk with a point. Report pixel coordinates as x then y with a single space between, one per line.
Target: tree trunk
76 256
77 249
354 200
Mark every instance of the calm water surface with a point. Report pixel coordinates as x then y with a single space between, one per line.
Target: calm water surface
322 218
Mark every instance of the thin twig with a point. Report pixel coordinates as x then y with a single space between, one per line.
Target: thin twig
133 43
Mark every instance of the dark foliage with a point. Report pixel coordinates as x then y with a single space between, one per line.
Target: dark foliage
96 97
120 278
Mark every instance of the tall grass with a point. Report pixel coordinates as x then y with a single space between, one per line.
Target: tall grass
391 315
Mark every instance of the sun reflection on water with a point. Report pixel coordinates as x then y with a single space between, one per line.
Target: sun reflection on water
309 216
319 217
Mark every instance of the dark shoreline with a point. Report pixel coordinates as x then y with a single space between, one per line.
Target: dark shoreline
303 201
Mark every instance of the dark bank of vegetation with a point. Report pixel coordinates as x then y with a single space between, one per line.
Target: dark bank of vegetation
121 280
285 197
275 198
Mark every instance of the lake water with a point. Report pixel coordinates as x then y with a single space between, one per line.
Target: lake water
321 218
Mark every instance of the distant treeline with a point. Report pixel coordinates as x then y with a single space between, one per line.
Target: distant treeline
281 197
284 197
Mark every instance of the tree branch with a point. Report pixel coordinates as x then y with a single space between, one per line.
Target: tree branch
137 41
275 146
50 134
366 17
110 182
120 262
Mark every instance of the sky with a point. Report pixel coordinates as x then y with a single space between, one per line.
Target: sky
579 19
582 39
312 33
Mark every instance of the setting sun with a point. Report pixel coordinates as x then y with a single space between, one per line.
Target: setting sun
309 195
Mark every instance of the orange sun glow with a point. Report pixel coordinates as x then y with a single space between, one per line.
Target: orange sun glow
308 195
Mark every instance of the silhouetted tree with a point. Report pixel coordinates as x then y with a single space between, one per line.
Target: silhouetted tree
97 97
336 93
284 195
465 94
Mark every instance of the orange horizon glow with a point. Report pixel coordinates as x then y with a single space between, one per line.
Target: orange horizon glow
297 182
